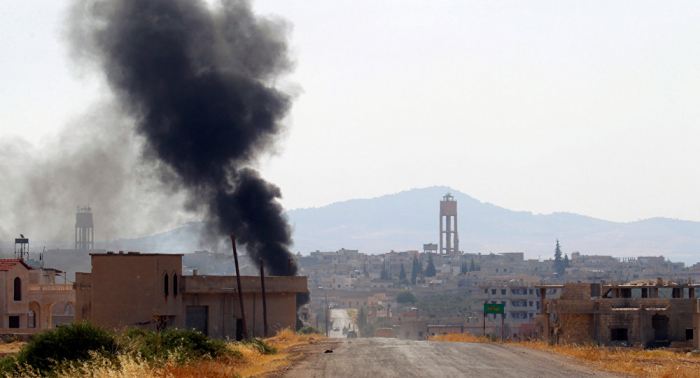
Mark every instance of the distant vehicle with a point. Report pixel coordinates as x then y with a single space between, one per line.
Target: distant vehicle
336 328
384 332
352 335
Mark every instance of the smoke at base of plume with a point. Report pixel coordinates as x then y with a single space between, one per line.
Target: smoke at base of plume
198 83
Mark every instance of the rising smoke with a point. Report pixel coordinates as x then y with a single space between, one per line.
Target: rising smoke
199 84
93 160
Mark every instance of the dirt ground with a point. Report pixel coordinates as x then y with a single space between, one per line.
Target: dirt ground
383 357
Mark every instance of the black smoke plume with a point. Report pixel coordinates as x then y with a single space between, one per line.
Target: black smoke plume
200 83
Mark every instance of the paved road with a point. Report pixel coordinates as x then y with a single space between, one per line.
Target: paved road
381 357
340 319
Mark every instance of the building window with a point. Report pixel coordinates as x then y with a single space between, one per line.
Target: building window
31 319
618 334
174 284
689 334
18 289
503 291
493 291
166 284
14 322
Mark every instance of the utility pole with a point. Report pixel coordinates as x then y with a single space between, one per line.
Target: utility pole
240 292
327 315
264 300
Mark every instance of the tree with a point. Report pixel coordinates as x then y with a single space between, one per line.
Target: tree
415 271
567 263
558 261
472 267
463 268
405 296
364 269
385 274
402 273
430 269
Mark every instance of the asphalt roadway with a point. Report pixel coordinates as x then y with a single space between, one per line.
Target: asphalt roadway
383 357
340 319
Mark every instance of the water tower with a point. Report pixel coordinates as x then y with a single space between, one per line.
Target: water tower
84 232
449 240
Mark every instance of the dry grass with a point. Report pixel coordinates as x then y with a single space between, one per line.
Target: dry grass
7 348
250 363
648 363
460 338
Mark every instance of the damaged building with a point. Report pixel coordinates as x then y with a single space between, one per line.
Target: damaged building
149 291
645 314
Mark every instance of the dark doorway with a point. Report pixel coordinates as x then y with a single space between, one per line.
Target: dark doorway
660 325
197 318
239 329
618 334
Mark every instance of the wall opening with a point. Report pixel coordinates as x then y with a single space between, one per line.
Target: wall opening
18 289
239 329
175 284
166 285
688 333
31 319
618 334
14 322
660 325
197 318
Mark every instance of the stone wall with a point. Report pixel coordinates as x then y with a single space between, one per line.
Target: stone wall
576 291
575 328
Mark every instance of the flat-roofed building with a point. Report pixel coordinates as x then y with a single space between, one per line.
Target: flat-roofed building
149 291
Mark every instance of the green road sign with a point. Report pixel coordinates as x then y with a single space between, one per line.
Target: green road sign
491 308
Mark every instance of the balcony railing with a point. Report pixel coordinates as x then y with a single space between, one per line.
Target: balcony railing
51 287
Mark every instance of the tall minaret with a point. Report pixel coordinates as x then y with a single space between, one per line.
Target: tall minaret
84 231
449 240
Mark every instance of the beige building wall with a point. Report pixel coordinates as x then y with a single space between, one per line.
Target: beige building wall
10 307
126 290
39 294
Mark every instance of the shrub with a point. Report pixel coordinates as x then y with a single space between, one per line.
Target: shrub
308 330
260 345
184 345
63 346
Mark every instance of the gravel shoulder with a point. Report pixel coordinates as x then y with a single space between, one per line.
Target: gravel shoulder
382 357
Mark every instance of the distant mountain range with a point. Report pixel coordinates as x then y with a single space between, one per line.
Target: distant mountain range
407 220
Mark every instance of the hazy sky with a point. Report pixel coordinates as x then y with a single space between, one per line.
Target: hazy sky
589 107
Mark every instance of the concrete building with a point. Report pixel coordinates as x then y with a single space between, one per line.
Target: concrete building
646 313
412 329
31 300
149 291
